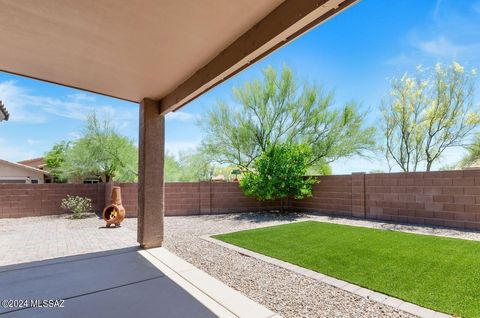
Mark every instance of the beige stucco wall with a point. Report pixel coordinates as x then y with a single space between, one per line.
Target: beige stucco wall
9 172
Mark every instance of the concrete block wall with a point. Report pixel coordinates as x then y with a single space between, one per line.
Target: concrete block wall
21 200
442 198
195 198
227 197
332 195
129 198
446 198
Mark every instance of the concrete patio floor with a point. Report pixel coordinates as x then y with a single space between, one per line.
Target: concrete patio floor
120 283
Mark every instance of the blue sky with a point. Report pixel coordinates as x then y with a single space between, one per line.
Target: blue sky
354 54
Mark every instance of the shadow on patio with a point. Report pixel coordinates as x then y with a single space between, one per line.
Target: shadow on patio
127 282
119 283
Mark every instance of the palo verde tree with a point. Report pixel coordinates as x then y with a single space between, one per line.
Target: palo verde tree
279 110
101 151
428 113
403 123
279 173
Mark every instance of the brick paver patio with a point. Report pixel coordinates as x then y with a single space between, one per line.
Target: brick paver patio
38 238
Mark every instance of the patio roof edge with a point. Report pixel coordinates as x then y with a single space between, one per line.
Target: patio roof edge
284 24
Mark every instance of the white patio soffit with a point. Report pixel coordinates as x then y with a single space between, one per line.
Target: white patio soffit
166 50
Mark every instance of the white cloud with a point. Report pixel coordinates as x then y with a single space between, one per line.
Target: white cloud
450 32
34 109
181 116
17 102
445 48
82 97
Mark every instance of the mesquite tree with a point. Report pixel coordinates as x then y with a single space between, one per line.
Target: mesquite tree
278 110
100 151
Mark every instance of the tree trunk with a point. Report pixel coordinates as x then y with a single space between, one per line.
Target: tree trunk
282 205
429 165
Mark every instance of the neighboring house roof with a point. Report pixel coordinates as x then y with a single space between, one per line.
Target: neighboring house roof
19 165
4 115
38 163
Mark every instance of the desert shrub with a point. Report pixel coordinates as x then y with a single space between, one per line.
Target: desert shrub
77 205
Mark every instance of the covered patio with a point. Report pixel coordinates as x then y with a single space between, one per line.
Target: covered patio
160 54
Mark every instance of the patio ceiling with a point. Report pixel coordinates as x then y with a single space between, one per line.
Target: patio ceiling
165 50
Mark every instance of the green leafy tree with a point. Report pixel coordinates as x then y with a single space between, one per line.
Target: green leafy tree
54 160
172 168
196 166
320 169
277 110
279 173
427 114
101 151
189 167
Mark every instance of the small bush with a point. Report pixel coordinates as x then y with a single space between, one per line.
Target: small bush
279 173
77 205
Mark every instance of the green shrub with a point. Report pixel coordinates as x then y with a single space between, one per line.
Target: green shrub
279 173
77 205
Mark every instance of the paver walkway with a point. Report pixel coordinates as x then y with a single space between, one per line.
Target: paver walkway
38 238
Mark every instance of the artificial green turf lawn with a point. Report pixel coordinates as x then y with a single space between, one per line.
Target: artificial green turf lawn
435 272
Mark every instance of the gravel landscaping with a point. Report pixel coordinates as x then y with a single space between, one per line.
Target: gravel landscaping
285 292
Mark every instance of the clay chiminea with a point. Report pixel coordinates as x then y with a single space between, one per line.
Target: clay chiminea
115 212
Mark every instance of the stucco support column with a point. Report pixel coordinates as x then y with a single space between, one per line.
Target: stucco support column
151 195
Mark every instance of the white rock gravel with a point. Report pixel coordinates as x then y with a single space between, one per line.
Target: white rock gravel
287 293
